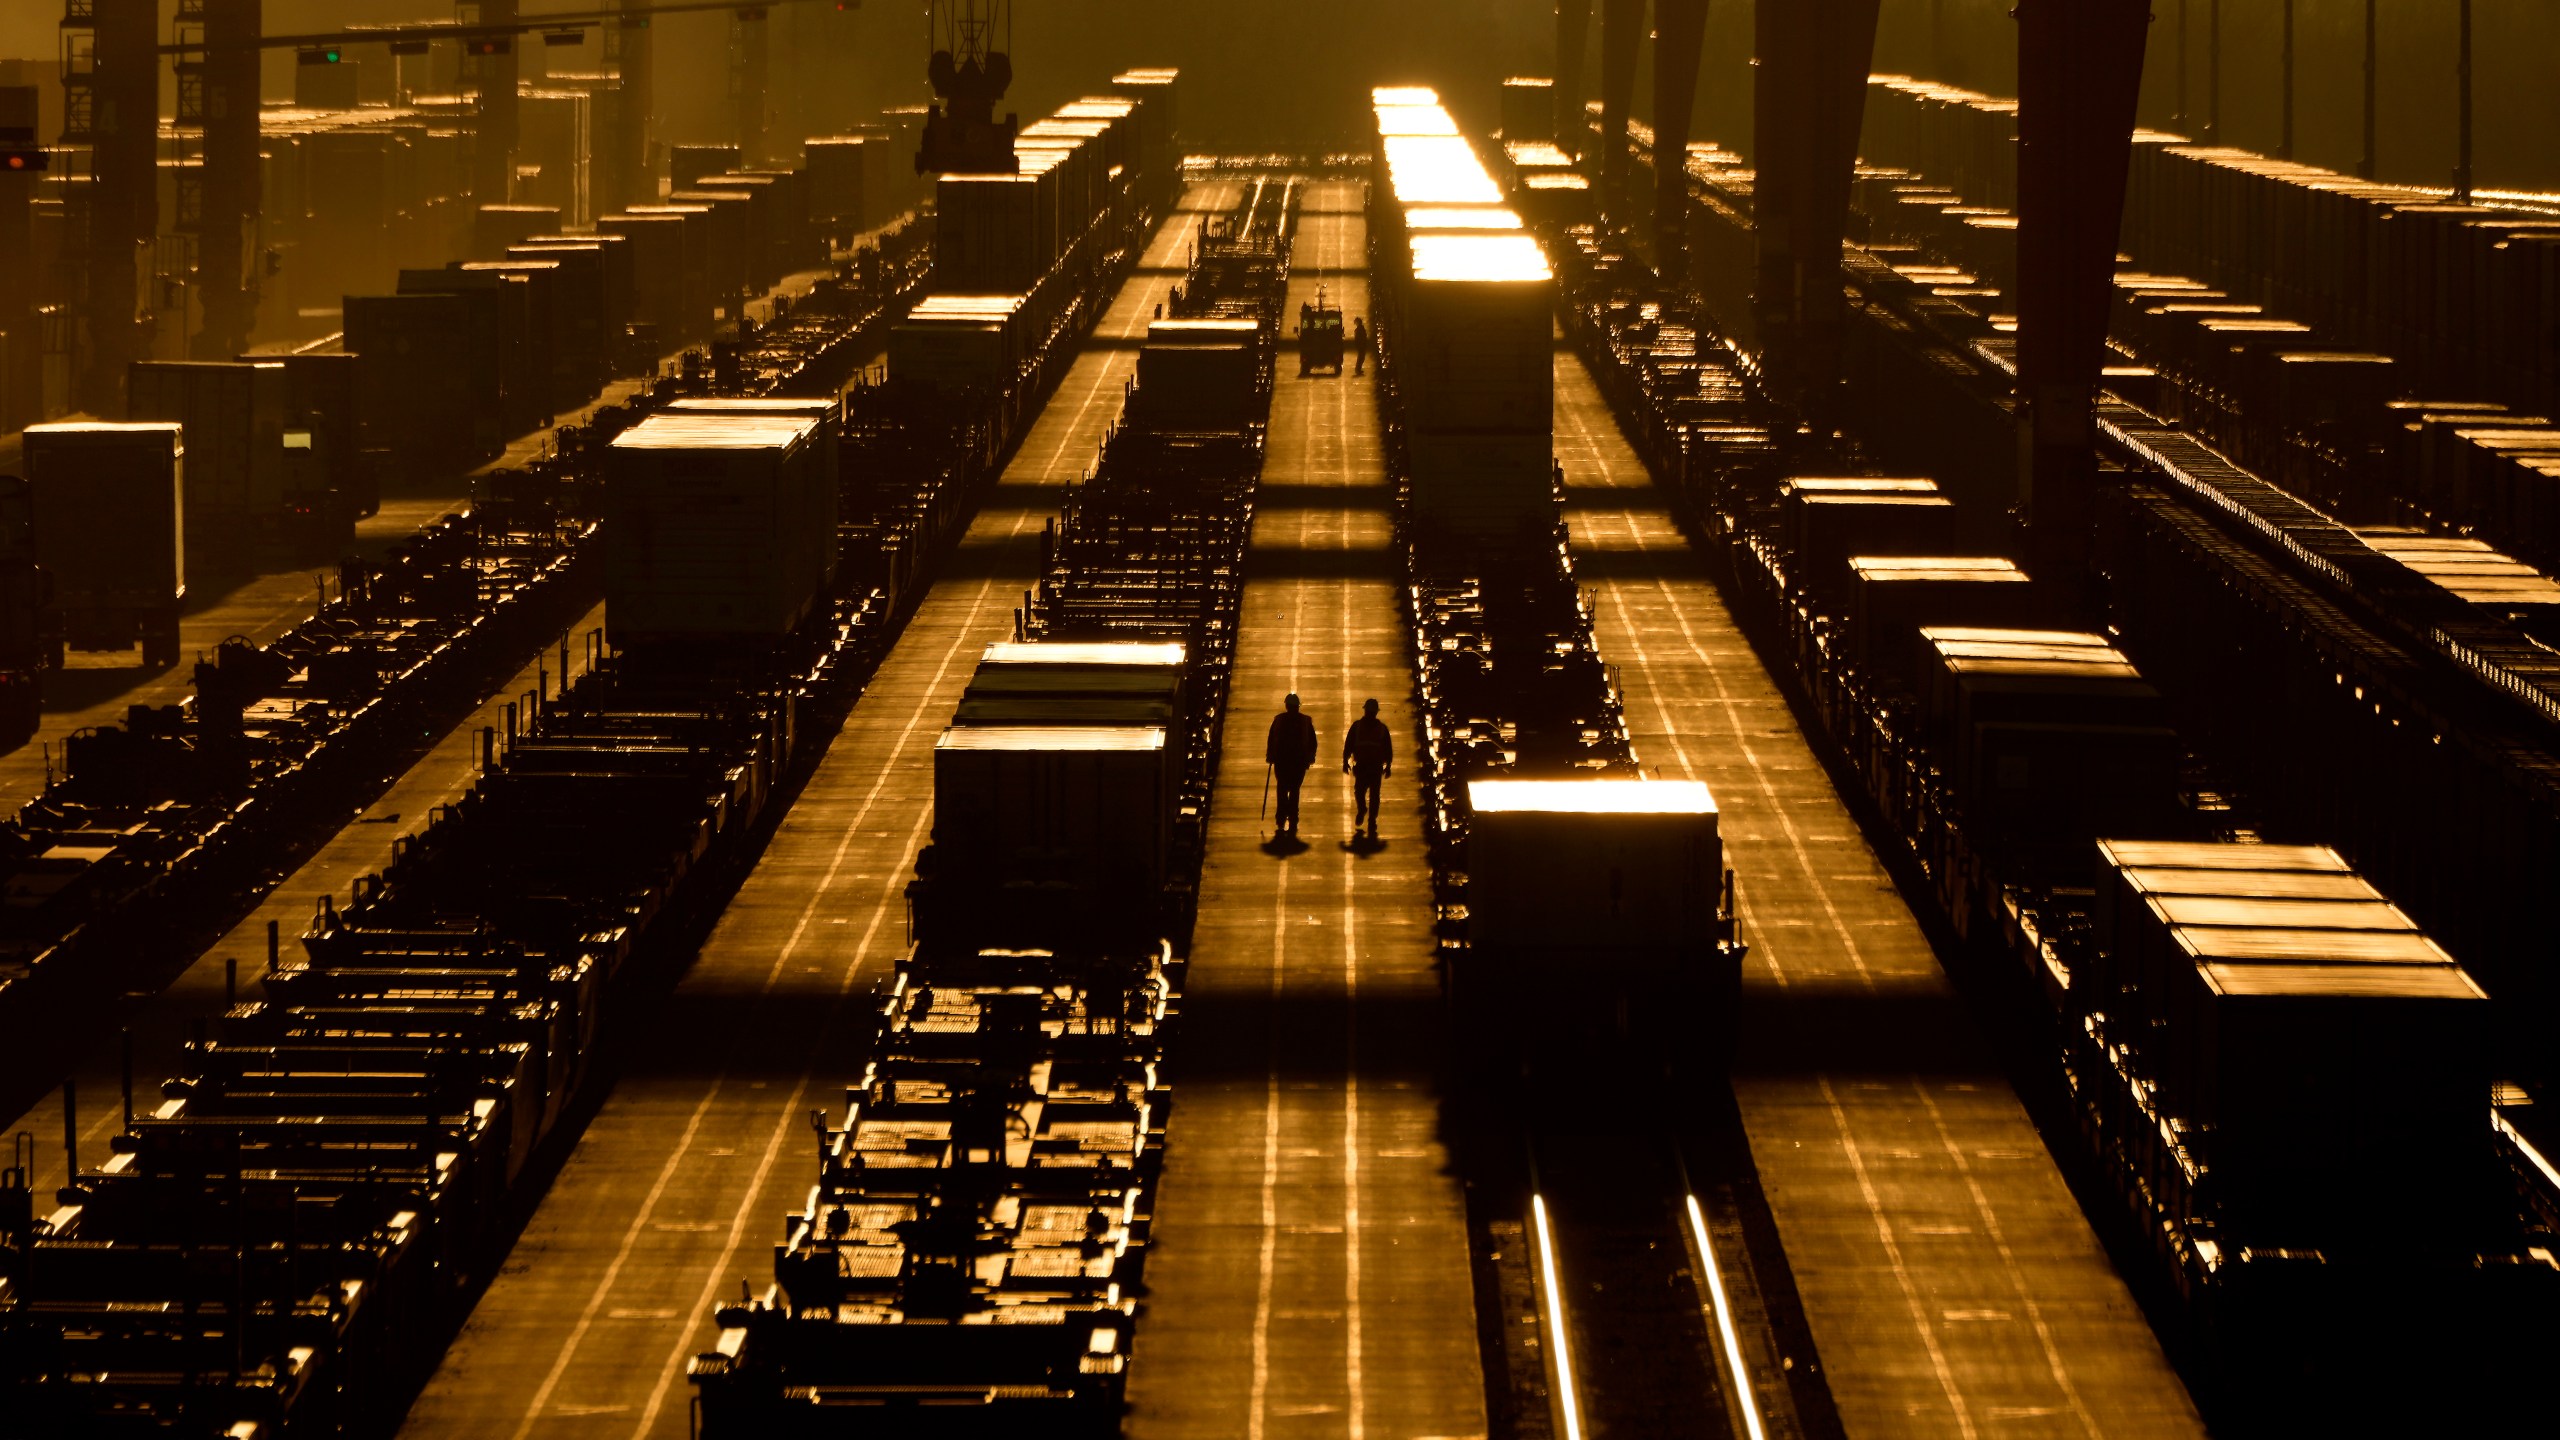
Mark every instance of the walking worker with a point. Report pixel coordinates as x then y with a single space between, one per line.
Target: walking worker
1289 751
1360 345
1368 757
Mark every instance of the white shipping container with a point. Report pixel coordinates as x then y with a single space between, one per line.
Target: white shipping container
1482 487
110 510
706 527
234 418
986 233
1584 866
819 521
1082 804
1477 350
835 165
955 342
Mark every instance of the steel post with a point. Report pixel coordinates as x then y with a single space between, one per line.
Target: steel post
1680 32
1621 32
1573 38
2079 76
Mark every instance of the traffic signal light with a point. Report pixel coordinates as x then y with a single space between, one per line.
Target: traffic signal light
19 153
493 45
326 55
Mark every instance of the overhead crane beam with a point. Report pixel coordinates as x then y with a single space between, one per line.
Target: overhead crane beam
484 28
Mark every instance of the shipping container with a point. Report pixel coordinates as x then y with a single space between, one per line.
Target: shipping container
1076 809
689 163
835 164
503 340
664 293
818 524
1892 598
495 227
110 527
2049 744
959 342
986 235
427 388
730 263
234 418
707 534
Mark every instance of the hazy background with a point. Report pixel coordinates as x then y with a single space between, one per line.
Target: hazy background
1290 74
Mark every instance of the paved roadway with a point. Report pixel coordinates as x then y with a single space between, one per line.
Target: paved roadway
161 1024
674 1193
1311 1275
1953 1286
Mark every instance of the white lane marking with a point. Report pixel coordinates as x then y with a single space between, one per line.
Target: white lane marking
622 1254
1352 1338
1267 1254
2008 1264
791 1119
790 1122
684 1143
1893 1256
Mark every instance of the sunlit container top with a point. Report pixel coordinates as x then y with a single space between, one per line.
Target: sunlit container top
1437 170
1098 107
1404 95
956 307
1068 129
1461 217
676 430
1597 796
1537 155
1122 738
1084 652
1415 120
1481 258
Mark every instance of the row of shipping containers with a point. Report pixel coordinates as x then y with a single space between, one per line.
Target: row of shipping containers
1466 296
457 360
2285 1081
1012 251
2467 296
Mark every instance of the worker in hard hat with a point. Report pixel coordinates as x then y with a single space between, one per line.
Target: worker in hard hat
1368 757
1290 749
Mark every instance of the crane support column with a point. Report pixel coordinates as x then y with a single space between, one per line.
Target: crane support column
750 78
2079 73
19 388
1621 31
493 160
225 257
1808 96
123 88
635 181
1573 39
1679 33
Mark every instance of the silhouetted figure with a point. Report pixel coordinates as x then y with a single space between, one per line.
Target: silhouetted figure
1360 350
1368 757
1289 751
